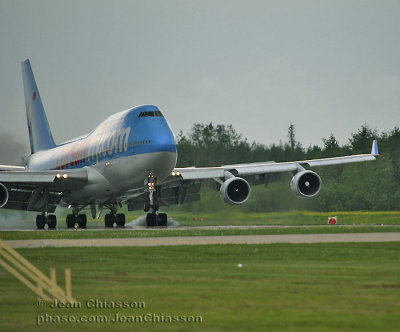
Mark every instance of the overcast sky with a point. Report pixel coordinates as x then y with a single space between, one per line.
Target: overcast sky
325 66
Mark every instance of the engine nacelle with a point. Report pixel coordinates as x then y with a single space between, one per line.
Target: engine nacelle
306 184
235 191
3 195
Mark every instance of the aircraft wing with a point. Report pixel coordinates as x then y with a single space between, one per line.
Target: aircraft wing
199 173
184 184
11 168
29 190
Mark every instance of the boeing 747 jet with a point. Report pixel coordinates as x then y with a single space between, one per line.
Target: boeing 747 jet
129 158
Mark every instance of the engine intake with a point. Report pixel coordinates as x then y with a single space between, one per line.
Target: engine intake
306 184
235 191
3 195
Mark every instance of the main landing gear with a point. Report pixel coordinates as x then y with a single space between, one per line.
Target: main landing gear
79 219
113 217
76 218
43 219
109 219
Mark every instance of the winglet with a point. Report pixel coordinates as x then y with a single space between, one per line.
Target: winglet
374 150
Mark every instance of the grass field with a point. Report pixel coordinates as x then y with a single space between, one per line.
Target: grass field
233 217
318 287
229 216
129 233
356 222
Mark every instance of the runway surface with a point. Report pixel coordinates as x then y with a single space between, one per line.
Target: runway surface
130 227
204 240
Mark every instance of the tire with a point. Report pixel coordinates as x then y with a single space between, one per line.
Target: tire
40 221
109 220
120 220
162 220
151 220
82 219
70 221
51 221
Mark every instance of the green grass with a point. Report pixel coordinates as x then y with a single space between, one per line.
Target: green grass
235 217
356 222
315 287
129 233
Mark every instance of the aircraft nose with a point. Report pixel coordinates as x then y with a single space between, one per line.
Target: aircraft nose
151 125
165 140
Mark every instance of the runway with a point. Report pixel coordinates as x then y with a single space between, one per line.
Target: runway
130 227
206 240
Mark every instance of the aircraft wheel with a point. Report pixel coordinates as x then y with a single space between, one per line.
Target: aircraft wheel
162 220
109 220
40 221
52 221
151 220
70 221
120 220
82 219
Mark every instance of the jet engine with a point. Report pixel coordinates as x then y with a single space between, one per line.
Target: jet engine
235 191
306 184
3 195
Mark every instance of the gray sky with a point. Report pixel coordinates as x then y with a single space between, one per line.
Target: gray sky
326 66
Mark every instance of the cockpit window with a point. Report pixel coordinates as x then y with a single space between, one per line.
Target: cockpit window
150 114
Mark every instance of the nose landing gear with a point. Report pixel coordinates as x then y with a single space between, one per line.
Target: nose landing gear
153 218
156 219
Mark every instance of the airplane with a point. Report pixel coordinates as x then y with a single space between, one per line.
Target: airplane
129 158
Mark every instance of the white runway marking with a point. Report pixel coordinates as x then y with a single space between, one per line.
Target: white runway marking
204 240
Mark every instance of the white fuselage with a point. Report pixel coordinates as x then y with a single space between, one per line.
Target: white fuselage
118 156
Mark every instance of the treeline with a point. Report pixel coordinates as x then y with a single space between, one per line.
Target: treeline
363 186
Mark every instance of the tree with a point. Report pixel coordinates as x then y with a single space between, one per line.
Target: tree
331 146
292 136
360 142
367 186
